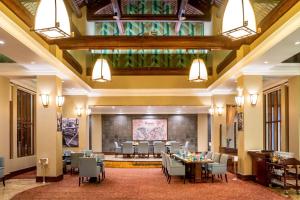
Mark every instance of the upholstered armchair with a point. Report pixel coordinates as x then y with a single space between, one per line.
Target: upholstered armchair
164 163
174 168
75 161
118 149
143 148
216 157
128 148
158 147
88 168
175 147
219 169
87 153
209 155
2 170
186 145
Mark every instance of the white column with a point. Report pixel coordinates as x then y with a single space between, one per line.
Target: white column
202 132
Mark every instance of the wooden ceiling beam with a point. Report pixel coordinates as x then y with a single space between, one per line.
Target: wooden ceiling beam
94 6
180 15
117 16
75 8
147 42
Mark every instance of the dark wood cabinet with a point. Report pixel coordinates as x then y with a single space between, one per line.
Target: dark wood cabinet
259 166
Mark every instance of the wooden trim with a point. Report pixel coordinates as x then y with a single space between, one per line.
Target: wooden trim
246 177
72 61
18 172
49 178
146 42
229 58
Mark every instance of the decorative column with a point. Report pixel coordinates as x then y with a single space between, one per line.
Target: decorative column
48 139
251 135
202 133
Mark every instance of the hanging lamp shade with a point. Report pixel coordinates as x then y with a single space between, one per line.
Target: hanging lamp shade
238 20
52 19
198 72
101 71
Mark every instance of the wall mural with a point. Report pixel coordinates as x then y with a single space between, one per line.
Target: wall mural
150 129
70 127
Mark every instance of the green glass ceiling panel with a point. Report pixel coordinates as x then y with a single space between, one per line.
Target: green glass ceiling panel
5 59
150 51
150 28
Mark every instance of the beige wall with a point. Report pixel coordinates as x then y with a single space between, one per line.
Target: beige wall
202 132
294 115
69 107
4 121
96 121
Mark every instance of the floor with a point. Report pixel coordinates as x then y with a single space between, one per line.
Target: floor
140 184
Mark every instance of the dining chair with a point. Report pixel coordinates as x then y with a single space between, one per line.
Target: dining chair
75 161
209 155
158 147
128 149
174 168
2 177
118 149
87 153
216 157
164 163
219 169
175 147
88 168
143 149
186 145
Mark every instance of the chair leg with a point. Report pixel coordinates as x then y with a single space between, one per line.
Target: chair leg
184 179
79 181
221 177
3 180
226 178
170 179
212 178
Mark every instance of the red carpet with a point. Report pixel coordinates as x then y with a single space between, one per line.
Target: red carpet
148 184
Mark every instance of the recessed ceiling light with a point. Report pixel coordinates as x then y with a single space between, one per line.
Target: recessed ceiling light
2 42
297 43
266 62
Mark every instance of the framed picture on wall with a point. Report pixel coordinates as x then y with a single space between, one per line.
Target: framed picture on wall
59 122
240 117
150 129
70 132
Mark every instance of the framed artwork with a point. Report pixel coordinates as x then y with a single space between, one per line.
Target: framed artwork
70 133
240 121
59 122
150 129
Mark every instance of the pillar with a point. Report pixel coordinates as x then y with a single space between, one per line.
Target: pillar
251 137
48 139
294 115
96 133
202 132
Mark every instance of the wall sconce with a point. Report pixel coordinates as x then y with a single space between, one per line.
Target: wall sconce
78 111
45 100
239 100
220 110
60 101
211 110
253 99
89 111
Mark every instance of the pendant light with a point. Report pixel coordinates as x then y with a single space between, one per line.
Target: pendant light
52 19
101 71
198 72
239 20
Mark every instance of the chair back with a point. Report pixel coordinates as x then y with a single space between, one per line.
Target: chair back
116 145
143 147
158 147
174 148
128 148
168 162
87 153
209 155
163 159
216 157
67 153
1 167
88 167
75 159
224 159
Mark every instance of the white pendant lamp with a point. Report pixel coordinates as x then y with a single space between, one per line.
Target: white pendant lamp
198 72
101 71
239 20
52 19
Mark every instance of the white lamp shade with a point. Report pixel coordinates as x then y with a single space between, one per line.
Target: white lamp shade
52 19
101 71
239 19
253 99
239 100
45 99
198 71
60 101
211 111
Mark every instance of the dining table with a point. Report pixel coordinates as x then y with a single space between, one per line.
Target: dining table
195 167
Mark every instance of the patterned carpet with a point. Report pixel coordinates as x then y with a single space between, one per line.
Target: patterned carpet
148 184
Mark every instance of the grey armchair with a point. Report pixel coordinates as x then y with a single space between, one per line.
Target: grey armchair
143 149
2 170
175 147
164 163
174 168
216 157
88 168
87 153
209 155
158 147
128 149
219 169
118 149
75 161
186 145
